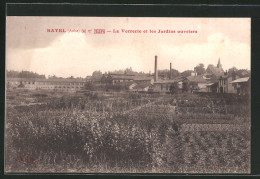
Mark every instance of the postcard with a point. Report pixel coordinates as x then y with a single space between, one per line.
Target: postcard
128 95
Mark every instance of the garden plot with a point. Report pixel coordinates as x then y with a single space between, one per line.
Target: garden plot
214 127
127 133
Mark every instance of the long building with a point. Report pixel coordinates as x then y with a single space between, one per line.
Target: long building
49 84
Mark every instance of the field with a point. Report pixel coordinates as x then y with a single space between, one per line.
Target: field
95 132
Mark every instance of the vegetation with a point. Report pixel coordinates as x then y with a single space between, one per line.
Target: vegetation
126 132
23 74
200 69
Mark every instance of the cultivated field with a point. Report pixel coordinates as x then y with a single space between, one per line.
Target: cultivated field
126 132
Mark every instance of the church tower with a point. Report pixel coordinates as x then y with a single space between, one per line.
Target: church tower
219 64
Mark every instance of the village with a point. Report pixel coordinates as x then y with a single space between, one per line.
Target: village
122 120
213 80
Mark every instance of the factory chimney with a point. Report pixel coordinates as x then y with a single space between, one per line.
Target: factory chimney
170 70
155 70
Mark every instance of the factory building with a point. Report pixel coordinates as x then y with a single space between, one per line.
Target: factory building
47 84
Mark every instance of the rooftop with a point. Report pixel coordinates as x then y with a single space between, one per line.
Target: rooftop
177 79
141 85
240 80
197 79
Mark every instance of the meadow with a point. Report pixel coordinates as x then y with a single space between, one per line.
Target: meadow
122 132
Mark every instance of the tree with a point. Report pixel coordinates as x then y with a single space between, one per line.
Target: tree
128 70
186 73
174 88
23 74
103 79
185 86
71 77
175 73
166 73
232 70
96 75
200 69
89 85
244 73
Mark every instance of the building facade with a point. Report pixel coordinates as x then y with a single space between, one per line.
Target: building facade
224 85
242 85
47 84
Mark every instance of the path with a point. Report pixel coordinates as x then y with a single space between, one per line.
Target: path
145 105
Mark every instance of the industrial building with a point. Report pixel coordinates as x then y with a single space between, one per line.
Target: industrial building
47 84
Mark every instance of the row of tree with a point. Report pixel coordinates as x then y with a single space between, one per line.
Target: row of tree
200 69
97 75
23 74
29 74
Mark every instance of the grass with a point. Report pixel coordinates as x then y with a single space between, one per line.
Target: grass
91 132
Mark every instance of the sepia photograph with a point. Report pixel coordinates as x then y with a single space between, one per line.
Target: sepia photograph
128 95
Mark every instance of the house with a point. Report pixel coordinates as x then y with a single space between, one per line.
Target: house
198 83
164 85
143 79
125 78
242 85
212 87
118 78
161 86
224 85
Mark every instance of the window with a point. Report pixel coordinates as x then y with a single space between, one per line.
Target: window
161 87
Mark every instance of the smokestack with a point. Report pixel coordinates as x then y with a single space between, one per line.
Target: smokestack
155 70
170 70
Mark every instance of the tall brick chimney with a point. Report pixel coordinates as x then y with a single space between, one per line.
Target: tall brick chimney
170 70
155 69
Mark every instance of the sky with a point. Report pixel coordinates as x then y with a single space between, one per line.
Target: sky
30 47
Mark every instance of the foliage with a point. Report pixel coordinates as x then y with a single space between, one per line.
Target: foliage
174 88
200 69
185 86
127 132
89 85
23 74
166 73
186 73
232 70
127 71
96 75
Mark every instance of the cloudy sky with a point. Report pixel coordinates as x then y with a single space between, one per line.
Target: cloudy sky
30 47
